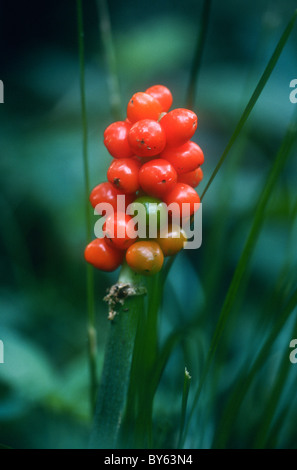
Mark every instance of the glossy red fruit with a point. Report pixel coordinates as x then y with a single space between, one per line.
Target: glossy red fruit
123 174
107 193
102 256
143 106
157 177
147 138
184 158
162 94
192 178
179 126
116 139
184 199
116 230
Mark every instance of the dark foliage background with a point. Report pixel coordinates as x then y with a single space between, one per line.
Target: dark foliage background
44 379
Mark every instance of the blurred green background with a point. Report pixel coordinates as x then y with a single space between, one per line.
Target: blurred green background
44 397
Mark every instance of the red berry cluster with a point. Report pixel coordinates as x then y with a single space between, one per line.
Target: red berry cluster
154 159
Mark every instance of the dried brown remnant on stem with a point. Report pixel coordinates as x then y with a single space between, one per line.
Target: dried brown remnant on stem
117 295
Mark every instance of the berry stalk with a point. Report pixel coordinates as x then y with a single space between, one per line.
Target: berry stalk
126 303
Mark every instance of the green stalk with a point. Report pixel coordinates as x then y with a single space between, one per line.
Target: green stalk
91 330
149 355
196 65
125 301
137 429
110 58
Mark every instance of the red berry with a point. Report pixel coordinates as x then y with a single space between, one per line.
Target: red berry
107 193
147 138
116 230
143 106
156 177
192 178
123 174
179 125
162 94
102 256
116 139
185 158
185 198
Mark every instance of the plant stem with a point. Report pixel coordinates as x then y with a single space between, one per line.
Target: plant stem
112 75
91 330
149 358
196 65
125 300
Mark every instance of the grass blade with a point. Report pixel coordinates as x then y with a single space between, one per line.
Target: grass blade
257 92
262 433
112 75
250 244
278 166
3 446
186 388
196 65
237 397
91 330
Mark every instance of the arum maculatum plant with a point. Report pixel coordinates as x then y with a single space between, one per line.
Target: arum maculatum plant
146 206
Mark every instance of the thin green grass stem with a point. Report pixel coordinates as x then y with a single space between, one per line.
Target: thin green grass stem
247 378
91 330
186 388
254 98
110 58
262 433
196 64
243 263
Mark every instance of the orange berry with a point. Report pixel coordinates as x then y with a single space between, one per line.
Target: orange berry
172 240
145 257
